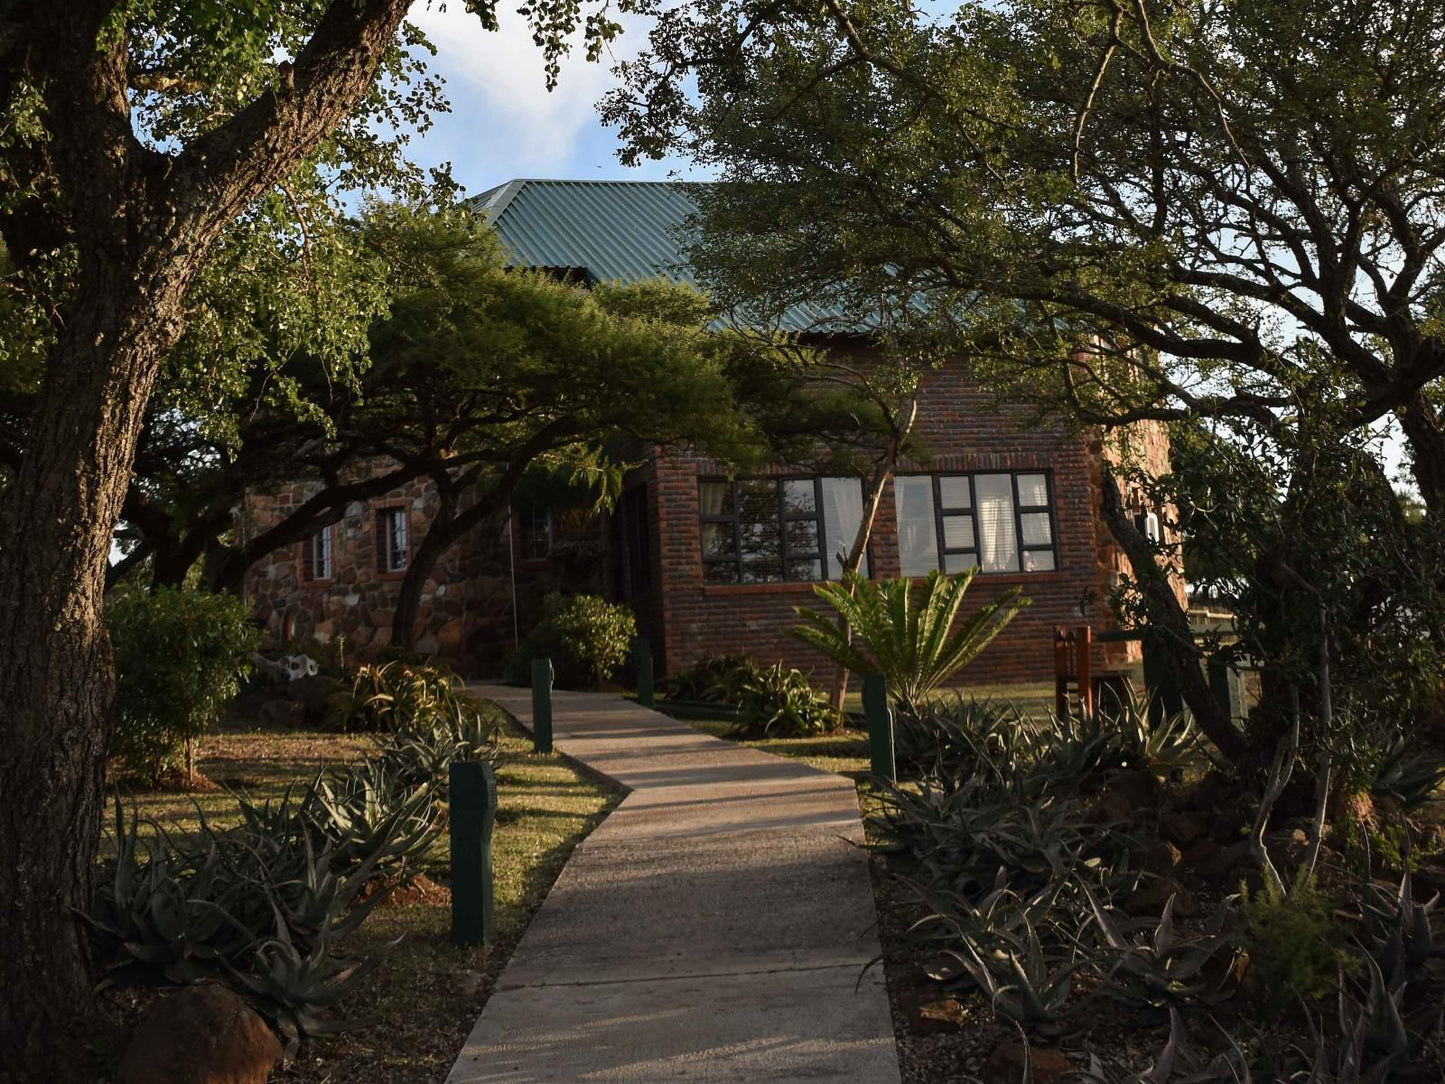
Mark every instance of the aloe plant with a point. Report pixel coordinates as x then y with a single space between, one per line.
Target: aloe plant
911 634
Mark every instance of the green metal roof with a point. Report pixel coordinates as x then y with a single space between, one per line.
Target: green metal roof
609 231
615 230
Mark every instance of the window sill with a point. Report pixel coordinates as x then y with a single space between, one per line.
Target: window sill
792 587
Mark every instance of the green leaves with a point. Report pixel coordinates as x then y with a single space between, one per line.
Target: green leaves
180 655
911 640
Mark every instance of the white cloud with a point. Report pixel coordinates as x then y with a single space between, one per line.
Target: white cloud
502 111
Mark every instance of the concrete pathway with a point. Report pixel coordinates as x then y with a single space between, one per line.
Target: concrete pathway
713 927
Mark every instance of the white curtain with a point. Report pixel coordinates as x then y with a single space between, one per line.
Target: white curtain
917 533
842 516
998 549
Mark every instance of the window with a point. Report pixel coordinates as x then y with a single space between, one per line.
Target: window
391 539
1000 522
534 530
316 555
768 530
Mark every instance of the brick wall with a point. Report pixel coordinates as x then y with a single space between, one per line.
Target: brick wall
960 429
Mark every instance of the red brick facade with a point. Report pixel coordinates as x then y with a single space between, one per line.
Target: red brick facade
960 429
467 605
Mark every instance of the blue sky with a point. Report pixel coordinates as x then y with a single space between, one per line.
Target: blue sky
504 123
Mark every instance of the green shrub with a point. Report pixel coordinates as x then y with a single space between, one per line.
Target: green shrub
779 703
1294 946
910 639
179 657
714 679
586 637
393 697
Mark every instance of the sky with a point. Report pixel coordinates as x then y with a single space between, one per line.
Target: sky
504 124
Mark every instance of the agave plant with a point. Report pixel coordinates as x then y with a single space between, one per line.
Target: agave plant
914 639
1164 970
778 702
1395 929
291 984
373 815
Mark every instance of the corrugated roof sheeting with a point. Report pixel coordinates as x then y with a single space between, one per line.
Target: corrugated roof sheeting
618 230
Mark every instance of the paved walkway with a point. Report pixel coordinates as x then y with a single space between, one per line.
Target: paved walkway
713 927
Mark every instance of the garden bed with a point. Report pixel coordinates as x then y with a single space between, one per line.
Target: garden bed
420 1003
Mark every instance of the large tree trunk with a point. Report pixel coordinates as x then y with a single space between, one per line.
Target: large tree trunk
142 223
56 519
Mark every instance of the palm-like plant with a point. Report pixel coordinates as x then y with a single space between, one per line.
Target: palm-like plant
909 634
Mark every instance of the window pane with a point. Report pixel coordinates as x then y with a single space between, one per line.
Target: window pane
799 497
717 540
1037 530
959 562
322 560
396 539
762 539
997 543
715 498
842 516
720 572
802 538
805 569
1033 491
958 532
917 534
953 491
1038 560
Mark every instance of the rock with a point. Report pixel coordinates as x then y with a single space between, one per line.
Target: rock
1160 858
1181 828
200 1035
1110 808
314 694
1228 861
930 1012
1288 846
1150 898
450 634
1136 785
1201 853
281 713
1006 1064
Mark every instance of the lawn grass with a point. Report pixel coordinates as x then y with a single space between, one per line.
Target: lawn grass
423 999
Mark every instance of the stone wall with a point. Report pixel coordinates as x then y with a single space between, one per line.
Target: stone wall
465 615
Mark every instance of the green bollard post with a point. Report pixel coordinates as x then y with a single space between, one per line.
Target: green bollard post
880 727
642 660
472 815
1219 686
542 675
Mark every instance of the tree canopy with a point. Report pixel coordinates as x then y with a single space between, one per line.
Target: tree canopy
1221 216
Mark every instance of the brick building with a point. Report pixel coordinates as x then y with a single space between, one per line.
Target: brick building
713 564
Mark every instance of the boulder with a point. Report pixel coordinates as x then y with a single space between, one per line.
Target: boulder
314 694
200 1035
1137 786
1007 1062
1151 896
1182 828
1201 853
281 713
1160 857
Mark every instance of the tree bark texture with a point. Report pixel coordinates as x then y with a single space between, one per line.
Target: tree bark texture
142 224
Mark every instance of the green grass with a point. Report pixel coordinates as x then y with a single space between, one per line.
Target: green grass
426 995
